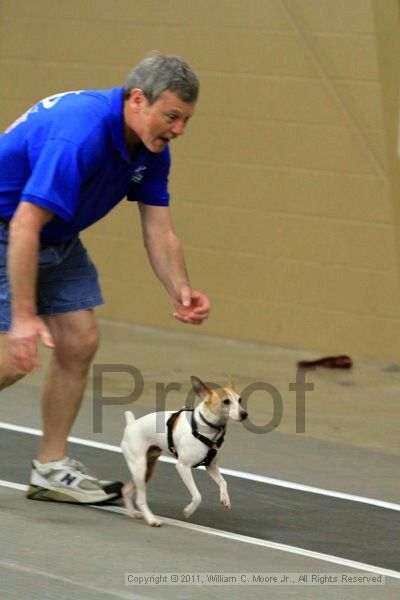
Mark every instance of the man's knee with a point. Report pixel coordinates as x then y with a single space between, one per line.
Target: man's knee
79 346
8 374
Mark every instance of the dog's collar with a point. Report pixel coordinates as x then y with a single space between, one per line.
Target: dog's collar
217 427
212 445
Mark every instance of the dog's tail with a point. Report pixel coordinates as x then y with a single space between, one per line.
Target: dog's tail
129 417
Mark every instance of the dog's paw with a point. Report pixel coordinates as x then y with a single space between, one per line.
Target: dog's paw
155 522
189 510
132 512
225 501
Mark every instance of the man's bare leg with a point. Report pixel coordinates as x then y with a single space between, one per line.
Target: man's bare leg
76 340
8 374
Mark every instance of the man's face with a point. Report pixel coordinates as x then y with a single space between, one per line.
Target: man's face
158 123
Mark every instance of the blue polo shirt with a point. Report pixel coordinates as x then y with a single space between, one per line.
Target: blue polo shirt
68 154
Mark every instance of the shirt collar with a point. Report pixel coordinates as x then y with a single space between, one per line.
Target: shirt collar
117 122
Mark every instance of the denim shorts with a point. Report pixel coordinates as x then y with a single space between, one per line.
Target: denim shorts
67 280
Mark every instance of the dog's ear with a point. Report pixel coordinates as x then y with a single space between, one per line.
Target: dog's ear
200 388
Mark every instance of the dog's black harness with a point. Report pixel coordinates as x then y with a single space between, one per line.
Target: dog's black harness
212 445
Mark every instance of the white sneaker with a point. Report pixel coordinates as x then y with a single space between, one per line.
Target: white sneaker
68 480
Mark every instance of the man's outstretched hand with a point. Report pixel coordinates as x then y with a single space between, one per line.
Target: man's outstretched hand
191 306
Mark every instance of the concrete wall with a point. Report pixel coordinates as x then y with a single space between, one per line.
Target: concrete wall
285 186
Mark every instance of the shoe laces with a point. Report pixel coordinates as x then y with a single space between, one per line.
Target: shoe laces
78 466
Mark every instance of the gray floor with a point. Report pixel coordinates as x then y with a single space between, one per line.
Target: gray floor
350 445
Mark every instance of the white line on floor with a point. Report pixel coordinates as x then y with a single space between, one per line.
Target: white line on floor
32 571
240 474
246 539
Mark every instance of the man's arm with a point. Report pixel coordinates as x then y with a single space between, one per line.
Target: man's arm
23 250
166 257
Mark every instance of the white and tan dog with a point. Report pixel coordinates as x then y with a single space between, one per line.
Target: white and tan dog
178 433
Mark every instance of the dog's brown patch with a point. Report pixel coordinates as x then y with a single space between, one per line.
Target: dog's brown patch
213 404
152 454
175 423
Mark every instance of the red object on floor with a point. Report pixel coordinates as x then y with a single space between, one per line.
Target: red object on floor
329 362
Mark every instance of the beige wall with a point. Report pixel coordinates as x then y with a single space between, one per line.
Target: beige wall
284 186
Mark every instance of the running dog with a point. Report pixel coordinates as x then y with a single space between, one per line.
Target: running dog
178 432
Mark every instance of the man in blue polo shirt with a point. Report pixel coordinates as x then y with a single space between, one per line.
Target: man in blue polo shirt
64 165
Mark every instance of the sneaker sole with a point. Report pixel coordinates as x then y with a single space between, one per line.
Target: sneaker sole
36 492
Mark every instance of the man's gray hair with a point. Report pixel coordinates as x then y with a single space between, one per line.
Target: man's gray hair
160 72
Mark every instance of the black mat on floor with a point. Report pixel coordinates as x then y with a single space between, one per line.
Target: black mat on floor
341 528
